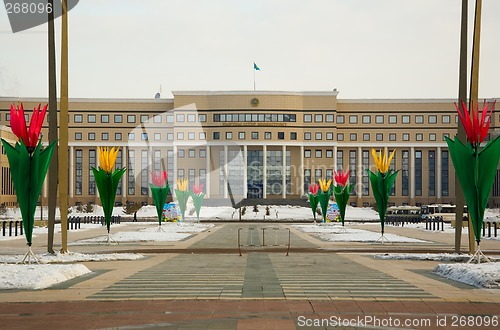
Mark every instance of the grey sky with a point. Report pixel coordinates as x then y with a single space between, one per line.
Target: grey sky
364 48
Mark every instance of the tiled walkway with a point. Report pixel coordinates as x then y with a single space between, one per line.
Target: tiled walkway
262 289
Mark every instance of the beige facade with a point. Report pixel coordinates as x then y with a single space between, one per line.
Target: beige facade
221 139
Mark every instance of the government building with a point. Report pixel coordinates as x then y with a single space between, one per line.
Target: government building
261 145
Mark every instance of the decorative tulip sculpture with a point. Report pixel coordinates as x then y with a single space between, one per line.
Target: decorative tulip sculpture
197 195
324 196
313 198
107 181
475 167
182 195
159 191
28 166
382 182
342 190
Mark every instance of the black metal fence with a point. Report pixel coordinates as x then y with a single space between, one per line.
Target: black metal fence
13 228
487 226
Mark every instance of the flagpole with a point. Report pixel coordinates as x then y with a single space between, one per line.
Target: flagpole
253 76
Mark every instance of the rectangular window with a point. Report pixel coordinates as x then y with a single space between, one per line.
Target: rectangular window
445 119
78 171
419 137
307 118
366 165
340 119
104 136
353 119
307 153
329 118
366 136
170 168
191 136
405 172
191 118
444 173
170 119
144 118
181 153
353 136
118 164
78 118
131 174
229 135
118 118
406 119
432 136
130 118
433 119
318 136
406 136
352 169
281 135
191 153
179 118
329 153
104 118
255 135
202 136
91 136
78 136
203 153
293 135
202 118
157 160
329 135
92 163
432 172
157 119
307 135
318 174
318 153
379 119
418 173
366 119
157 136
170 136
419 119
307 179
241 135
144 136
318 118
340 160
392 136
216 135
267 135
393 119
144 172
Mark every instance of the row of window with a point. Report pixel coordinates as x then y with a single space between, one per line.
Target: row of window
393 119
143 136
180 118
255 117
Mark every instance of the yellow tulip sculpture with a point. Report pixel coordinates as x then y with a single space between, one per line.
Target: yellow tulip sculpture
382 182
182 195
324 195
107 181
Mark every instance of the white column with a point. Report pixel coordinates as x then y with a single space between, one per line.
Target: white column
301 169
125 175
264 169
151 158
438 172
359 173
245 171
71 171
207 171
226 174
335 158
283 173
174 179
412 172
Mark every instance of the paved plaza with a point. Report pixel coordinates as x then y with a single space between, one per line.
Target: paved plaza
203 283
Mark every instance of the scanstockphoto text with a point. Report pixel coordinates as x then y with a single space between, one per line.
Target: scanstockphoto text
385 321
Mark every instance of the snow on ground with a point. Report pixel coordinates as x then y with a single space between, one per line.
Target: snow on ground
71 257
428 256
35 277
485 275
335 233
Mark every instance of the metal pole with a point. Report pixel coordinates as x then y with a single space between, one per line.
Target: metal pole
63 131
474 89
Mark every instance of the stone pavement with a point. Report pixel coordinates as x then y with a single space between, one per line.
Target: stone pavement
203 283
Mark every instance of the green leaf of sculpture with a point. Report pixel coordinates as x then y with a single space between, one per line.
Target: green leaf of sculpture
159 195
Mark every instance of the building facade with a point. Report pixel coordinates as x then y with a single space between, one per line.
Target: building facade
262 145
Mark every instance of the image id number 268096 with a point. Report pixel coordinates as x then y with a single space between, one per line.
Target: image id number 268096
28 8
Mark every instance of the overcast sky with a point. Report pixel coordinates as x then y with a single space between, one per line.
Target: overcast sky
364 48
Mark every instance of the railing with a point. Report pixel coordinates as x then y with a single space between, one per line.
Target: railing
489 224
432 223
275 241
17 223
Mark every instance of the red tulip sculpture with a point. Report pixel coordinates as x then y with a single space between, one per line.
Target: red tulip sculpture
313 198
159 191
342 191
197 195
28 163
475 167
